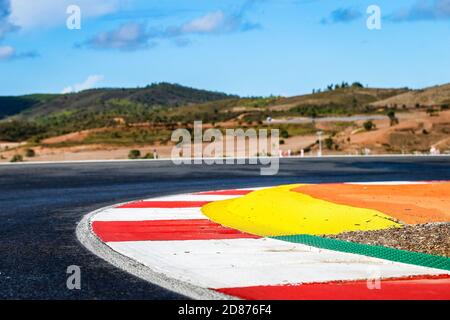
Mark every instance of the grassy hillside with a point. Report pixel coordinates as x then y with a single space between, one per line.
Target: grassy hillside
342 100
428 97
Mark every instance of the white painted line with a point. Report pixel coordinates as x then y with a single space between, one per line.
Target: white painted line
168 159
253 262
144 214
254 189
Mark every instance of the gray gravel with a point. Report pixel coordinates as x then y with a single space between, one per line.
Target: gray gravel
431 238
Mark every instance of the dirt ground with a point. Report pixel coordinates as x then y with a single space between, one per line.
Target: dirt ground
109 152
416 132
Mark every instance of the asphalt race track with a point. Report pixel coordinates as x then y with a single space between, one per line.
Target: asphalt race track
40 205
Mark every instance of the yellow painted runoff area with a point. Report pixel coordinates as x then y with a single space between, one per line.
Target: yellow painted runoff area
279 211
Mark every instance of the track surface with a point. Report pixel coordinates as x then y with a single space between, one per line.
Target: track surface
40 206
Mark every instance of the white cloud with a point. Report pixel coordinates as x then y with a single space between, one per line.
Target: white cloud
215 22
89 83
423 10
30 14
9 53
5 25
206 24
136 35
6 52
130 36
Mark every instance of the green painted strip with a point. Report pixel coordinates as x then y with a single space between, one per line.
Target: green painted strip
415 258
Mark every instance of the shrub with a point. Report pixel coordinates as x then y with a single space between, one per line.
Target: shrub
17 158
134 154
149 155
368 125
431 112
30 153
329 143
284 133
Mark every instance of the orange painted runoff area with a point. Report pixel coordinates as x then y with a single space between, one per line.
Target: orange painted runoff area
409 203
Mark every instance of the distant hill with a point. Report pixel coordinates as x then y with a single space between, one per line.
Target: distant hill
428 97
99 100
12 105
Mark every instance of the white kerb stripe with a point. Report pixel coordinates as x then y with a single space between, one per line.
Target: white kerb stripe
253 262
195 197
144 214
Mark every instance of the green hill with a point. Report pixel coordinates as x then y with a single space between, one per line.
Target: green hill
13 105
101 100
41 116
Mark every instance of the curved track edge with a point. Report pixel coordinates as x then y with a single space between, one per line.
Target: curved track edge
91 242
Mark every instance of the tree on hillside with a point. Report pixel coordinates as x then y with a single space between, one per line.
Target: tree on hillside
393 119
357 85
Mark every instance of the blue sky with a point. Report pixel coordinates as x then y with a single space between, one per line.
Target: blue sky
247 47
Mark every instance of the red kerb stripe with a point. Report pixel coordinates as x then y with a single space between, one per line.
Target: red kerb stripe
430 288
165 230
